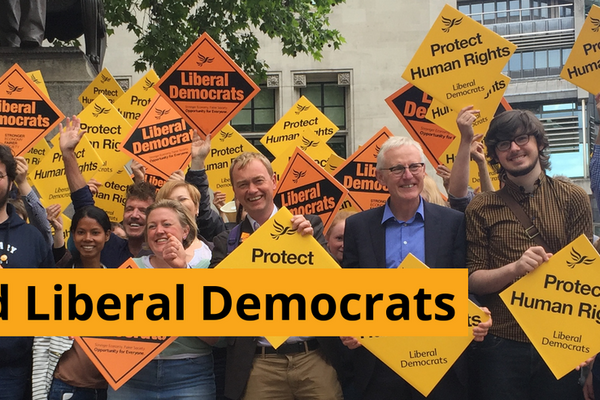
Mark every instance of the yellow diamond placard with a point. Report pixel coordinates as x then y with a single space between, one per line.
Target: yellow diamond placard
358 174
49 176
556 305
105 84
309 142
333 163
106 129
422 361
301 116
132 104
224 147
36 77
445 117
26 113
111 196
306 188
583 65
458 60
276 245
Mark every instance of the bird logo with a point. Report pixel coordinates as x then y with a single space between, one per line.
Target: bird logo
298 175
449 23
99 110
12 88
35 79
596 24
308 143
578 259
104 79
160 113
300 108
147 84
281 230
204 60
377 148
225 135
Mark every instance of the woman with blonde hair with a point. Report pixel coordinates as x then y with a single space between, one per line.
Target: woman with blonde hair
188 196
185 368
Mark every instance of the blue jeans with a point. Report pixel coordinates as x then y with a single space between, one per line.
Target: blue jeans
15 383
507 369
190 378
63 391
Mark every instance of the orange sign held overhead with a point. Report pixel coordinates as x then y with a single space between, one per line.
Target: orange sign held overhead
26 113
206 86
161 139
357 174
121 357
306 188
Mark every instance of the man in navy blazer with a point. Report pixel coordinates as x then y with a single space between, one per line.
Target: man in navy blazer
381 238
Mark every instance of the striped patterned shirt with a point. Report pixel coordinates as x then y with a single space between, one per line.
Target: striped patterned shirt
561 211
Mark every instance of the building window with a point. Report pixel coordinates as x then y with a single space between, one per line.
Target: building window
258 115
528 64
330 99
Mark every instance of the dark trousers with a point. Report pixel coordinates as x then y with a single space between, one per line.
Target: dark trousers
506 369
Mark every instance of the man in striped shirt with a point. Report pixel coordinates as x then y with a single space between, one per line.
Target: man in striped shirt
500 251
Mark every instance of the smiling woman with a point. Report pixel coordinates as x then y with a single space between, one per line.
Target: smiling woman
60 366
185 368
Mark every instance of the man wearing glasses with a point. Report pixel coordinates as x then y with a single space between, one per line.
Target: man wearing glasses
381 238
501 251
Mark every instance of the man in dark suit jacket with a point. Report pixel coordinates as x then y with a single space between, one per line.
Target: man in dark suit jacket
381 238
299 368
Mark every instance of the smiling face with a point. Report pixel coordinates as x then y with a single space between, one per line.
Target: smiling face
254 188
89 238
521 160
408 186
161 222
134 217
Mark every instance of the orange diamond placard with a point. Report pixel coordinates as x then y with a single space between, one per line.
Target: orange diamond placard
357 174
120 358
26 113
306 188
206 86
161 139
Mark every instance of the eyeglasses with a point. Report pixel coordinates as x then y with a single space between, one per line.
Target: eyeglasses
2 176
399 170
520 140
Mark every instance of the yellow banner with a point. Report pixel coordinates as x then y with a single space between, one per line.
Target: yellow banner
221 302
558 308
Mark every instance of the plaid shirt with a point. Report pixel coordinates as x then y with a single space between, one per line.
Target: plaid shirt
561 211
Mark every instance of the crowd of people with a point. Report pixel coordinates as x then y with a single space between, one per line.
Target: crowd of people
176 227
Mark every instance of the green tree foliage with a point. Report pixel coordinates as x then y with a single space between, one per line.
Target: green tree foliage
166 28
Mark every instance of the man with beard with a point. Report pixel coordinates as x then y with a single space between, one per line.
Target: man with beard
500 250
21 246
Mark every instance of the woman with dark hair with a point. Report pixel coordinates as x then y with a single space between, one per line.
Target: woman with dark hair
60 366
184 370
90 229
